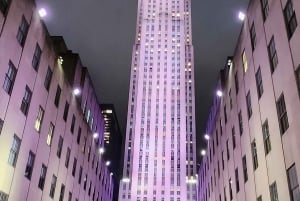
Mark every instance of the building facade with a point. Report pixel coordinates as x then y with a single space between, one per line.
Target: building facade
253 150
50 133
160 145
113 145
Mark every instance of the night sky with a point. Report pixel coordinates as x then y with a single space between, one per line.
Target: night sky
103 31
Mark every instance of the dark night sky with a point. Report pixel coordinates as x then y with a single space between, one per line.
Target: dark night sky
103 31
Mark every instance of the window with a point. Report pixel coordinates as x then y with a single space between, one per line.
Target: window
42 177
67 157
253 36
73 124
70 196
230 189
227 149
10 77
80 175
66 111
297 74
282 114
36 57
57 96
14 151
53 186
290 18
265 8
266 137
293 183
22 31
245 63
254 154
4 4
50 134
74 167
230 99
1 125
29 165
60 146
259 84
39 119
236 82
48 79
237 181
78 135
85 182
272 54
26 100
273 192
233 137
240 122
248 102
245 172
225 114
259 198
62 192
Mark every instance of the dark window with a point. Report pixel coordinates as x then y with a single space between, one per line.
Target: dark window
223 160
1 125
67 157
253 36
254 154
272 54
259 198
230 189
73 124
237 181
245 172
230 99
273 192
227 149
265 8
221 128
53 186
4 4
297 74
225 197
282 114
42 177
249 107
62 192
217 137
48 78
259 84
26 100
74 167
36 57
80 175
29 165
266 137
70 196
225 114
89 192
57 96
293 183
66 111
60 146
240 122
22 31
14 151
78 135
10 77
236 82
290 18
233 137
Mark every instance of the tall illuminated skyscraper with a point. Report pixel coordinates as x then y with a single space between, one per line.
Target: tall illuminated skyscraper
160 147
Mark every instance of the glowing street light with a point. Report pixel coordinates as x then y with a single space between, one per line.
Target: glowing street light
206 136
219 93
76 91
42 12
101 150
95 135
242 16
107 163
203 152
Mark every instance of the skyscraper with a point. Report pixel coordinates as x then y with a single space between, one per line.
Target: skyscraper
160 157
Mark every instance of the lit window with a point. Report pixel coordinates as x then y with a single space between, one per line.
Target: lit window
50 134
245 63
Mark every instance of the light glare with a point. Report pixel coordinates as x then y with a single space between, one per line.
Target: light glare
203 152
42 12
206 136
101 150
219 93
107 163
242 16
76 91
